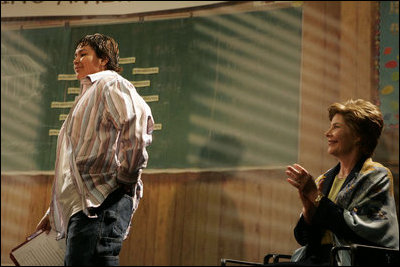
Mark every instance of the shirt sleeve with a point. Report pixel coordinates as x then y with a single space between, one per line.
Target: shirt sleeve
134 122
306 233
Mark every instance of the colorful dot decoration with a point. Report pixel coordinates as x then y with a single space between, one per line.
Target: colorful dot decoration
387 43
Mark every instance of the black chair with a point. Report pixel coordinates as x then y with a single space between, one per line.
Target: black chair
225 261
275 258
363 255
267 260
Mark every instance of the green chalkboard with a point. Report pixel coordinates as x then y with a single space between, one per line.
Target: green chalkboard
226 93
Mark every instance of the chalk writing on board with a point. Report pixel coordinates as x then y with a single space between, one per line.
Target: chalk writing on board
62 117
145 70
143 83
157 127
151 98
66 77
127 60
73 90
54 132
66 104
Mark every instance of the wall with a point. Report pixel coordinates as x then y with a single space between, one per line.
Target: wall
196 218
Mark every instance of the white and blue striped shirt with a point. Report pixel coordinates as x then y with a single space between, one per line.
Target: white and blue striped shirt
101 144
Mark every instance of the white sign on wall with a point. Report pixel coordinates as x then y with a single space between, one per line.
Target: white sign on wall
83 8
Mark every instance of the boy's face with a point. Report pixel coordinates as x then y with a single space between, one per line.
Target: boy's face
86 62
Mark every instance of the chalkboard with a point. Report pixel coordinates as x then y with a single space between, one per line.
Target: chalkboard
223 89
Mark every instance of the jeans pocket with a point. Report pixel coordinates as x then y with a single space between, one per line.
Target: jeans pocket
112 226
111 237
117 218
108 247
125 211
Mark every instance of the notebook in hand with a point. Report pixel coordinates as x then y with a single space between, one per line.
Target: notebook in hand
40 249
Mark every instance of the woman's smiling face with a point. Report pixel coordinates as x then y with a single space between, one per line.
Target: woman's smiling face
342 140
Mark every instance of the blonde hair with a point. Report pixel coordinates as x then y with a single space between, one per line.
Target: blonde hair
364 118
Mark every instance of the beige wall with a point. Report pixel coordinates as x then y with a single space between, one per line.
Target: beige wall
194 218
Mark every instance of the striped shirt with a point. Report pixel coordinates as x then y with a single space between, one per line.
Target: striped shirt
101 144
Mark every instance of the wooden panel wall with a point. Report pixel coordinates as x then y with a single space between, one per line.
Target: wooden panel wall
24 200
197 218
183 219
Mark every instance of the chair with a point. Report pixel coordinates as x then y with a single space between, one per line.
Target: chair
225 261
363 255
275 259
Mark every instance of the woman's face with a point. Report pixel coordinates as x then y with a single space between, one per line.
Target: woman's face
342 140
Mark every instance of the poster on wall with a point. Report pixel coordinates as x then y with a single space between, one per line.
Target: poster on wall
389 62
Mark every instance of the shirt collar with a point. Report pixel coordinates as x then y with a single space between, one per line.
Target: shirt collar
96 76
91 78
330 175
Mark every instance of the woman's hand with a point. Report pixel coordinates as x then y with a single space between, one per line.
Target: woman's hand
308 190
303 181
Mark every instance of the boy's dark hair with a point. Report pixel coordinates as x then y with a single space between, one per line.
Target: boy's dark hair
105 48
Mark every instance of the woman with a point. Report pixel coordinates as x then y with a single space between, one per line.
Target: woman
353 202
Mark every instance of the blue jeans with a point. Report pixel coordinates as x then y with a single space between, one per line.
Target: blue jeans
98 241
